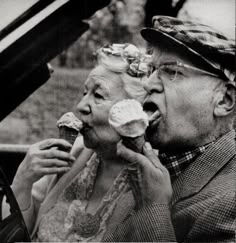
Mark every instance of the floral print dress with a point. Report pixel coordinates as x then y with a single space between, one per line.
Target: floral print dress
68 220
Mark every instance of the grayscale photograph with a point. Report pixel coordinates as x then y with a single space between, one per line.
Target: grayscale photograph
117 121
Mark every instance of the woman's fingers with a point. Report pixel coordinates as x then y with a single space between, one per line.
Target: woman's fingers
53 163
41 167
45 158
55 153
52 170
53 142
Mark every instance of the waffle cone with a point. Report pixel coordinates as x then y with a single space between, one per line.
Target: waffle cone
136 144
69 134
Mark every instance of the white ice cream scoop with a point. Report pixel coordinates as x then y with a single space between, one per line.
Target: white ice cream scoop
128 118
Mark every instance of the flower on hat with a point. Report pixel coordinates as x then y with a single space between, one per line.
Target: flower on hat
124 56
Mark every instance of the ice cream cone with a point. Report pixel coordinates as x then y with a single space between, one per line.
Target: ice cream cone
69 126
135 144
130 121
67 133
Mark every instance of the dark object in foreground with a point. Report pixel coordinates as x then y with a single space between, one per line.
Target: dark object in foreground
12 228
32 39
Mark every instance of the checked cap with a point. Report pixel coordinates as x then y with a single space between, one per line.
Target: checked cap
204 41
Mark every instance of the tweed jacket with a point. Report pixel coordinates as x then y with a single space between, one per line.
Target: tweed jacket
203 207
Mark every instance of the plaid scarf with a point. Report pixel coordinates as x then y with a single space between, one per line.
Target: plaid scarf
176 164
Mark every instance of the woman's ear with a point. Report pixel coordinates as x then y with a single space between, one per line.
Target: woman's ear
225 101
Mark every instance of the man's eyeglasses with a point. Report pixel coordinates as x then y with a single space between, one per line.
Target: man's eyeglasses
172 70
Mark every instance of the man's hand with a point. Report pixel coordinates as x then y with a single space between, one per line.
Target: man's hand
155 181
44 158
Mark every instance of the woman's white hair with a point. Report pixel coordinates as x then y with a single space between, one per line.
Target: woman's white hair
127 61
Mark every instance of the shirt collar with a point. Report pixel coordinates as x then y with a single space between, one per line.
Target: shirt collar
177 163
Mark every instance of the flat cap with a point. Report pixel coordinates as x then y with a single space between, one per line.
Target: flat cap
201 40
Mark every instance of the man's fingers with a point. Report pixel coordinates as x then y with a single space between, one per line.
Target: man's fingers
130 156
54 142
147 161
151 155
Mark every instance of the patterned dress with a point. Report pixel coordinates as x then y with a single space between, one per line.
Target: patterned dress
68 220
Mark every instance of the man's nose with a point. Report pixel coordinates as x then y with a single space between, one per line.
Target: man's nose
83 106
153 84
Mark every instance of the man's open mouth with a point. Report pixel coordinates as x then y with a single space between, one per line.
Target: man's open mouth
153 113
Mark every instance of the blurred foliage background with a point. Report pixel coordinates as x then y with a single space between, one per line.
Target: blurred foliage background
120 22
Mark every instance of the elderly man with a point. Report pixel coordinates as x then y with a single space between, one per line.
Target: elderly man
188 189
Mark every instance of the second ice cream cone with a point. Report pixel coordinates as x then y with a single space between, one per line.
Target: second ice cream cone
135 144
130 121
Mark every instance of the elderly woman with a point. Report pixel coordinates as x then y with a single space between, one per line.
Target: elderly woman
93 197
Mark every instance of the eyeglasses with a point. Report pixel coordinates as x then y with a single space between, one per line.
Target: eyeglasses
172 70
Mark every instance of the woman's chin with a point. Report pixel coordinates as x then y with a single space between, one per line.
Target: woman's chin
89 144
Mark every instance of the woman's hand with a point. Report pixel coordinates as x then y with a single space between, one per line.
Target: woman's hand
44 158
155 181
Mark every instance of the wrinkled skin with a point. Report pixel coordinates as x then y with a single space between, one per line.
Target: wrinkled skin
186 112
102 90
43 158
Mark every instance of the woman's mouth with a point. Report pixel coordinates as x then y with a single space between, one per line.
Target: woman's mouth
85 128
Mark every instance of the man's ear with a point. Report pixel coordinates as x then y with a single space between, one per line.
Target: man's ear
225 101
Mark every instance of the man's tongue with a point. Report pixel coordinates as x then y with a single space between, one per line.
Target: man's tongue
153 116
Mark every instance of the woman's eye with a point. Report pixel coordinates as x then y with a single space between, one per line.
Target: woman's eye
98 96
151 69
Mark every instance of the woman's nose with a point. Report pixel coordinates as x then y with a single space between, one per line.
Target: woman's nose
153 85
83 106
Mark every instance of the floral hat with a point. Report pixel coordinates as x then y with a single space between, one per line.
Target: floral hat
124 58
